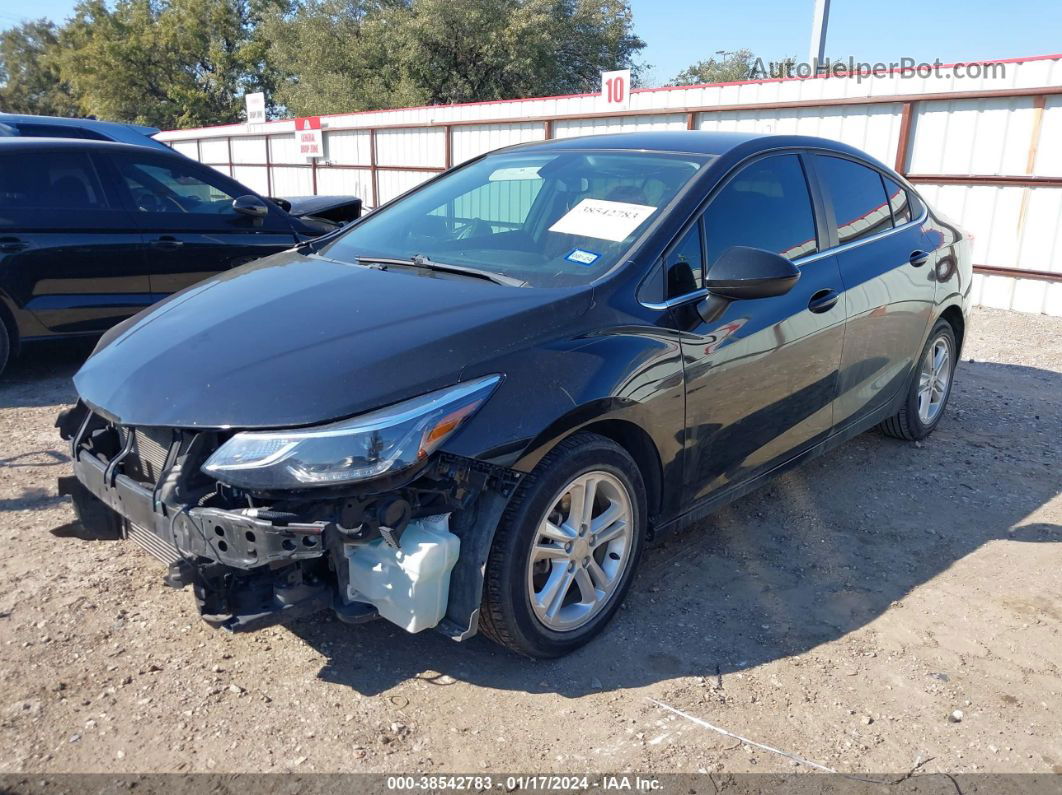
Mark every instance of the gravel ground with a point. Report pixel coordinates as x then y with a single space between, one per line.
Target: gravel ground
883 605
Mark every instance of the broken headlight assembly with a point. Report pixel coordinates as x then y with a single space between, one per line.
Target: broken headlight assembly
381 442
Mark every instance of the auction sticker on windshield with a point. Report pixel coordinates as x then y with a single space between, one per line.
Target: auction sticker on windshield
602 219
582 257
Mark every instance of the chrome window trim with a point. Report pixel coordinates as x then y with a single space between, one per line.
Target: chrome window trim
800 261
661 305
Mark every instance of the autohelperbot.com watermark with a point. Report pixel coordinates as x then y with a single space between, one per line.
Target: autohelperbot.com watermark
859 70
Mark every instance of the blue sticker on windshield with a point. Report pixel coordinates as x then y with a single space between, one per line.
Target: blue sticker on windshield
582 257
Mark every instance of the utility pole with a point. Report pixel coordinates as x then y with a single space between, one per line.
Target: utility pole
817 51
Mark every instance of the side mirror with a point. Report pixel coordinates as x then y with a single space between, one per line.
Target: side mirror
250 206
742 272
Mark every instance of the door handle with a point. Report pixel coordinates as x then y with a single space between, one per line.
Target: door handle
919 258
10 245
823 301
167 242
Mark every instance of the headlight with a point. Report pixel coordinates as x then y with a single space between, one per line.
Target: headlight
387 440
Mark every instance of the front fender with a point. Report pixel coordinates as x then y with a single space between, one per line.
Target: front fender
628 376
632 374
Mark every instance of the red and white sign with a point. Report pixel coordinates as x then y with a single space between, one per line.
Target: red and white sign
616 89
308 136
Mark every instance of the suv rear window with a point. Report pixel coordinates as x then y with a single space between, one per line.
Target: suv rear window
49 180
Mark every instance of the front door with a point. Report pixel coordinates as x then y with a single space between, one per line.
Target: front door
69 257
191 229
761 379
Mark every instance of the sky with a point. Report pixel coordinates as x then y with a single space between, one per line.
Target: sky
680 32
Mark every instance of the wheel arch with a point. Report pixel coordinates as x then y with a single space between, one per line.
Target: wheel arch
953 314
599 418
7 317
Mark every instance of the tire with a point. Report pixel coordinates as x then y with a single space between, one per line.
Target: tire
5 347
913 421
601 560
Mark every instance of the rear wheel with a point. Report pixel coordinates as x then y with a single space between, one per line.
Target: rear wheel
929 389
566 549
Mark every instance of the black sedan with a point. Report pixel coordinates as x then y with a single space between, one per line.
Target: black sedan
471 409
92 232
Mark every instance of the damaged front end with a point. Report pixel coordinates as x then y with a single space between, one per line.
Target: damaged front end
408 543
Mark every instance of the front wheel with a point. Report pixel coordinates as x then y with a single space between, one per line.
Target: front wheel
930 387
566 549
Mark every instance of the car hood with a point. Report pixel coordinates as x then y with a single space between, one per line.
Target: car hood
298 340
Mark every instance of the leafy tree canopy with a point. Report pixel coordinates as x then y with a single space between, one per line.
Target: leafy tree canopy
343 55
187 63
29 77
168 63
726 66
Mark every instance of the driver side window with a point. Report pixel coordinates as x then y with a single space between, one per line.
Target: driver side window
766 205
170 188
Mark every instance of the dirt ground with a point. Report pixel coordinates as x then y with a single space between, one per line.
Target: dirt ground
842 614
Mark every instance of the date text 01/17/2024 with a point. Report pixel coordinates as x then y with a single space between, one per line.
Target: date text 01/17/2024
540 783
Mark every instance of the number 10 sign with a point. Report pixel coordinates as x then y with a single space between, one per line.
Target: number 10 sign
616 89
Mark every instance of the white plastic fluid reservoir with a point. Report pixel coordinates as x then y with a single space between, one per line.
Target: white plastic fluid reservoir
409 586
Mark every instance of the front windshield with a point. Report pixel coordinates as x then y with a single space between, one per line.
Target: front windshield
552 219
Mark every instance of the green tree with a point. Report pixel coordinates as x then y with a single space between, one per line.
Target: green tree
337 55
726 66
29 76
464 50
168 63
345 55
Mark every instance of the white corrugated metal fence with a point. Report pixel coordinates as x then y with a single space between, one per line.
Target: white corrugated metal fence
986 150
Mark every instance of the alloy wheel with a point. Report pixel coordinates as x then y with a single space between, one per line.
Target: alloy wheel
580 551
933 380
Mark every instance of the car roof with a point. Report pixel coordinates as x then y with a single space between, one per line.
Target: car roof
699 142
17 143
87 129
63 121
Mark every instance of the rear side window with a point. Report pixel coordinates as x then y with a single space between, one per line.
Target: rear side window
766 205
899 202
858 196
49 180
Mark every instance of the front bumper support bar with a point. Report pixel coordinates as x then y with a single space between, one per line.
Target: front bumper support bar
233 538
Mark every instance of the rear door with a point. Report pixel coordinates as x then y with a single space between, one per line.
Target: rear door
70 257
890 288
191 230
761 379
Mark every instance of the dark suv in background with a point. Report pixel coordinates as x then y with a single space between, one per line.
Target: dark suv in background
91 232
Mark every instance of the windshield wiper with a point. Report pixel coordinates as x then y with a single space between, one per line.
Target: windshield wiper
420 261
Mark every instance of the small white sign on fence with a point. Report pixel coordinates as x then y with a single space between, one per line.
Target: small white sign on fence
616 89
255 108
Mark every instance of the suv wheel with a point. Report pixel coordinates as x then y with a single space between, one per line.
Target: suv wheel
566 549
